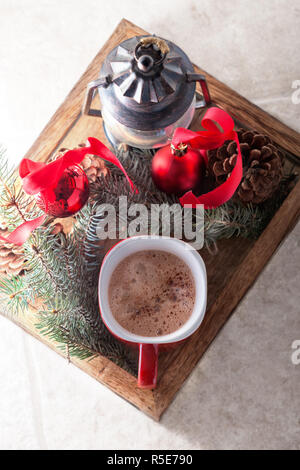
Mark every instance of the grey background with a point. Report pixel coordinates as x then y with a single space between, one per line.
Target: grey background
245 391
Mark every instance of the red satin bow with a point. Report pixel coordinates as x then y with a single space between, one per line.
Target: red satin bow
212 138
37 176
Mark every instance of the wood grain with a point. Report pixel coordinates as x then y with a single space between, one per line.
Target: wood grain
230 272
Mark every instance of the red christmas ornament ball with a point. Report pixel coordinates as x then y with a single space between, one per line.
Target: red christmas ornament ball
177 170
68 197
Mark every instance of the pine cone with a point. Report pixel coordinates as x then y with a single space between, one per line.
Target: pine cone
262 162
11 256
94 167
91 164
64 225
12 261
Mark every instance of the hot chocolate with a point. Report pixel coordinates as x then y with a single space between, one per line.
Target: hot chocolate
152 293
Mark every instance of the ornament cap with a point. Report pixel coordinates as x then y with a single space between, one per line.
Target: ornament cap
179 150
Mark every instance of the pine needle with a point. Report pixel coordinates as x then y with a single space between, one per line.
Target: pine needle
62 270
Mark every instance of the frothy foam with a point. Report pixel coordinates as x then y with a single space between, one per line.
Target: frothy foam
152 293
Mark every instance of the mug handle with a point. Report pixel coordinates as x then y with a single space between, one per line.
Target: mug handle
148 361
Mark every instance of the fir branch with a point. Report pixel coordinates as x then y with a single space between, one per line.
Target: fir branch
15 294
61 278
10 209
77 336
62 270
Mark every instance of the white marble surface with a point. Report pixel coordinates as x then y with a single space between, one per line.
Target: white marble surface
245 391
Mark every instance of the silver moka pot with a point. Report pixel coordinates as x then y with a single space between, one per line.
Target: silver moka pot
147 88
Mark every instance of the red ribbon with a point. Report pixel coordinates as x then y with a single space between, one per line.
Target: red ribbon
209 139
38 176
22 233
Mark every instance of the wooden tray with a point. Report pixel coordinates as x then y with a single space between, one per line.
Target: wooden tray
230 273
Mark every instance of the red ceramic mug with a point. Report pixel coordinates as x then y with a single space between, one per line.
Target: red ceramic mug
149 346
